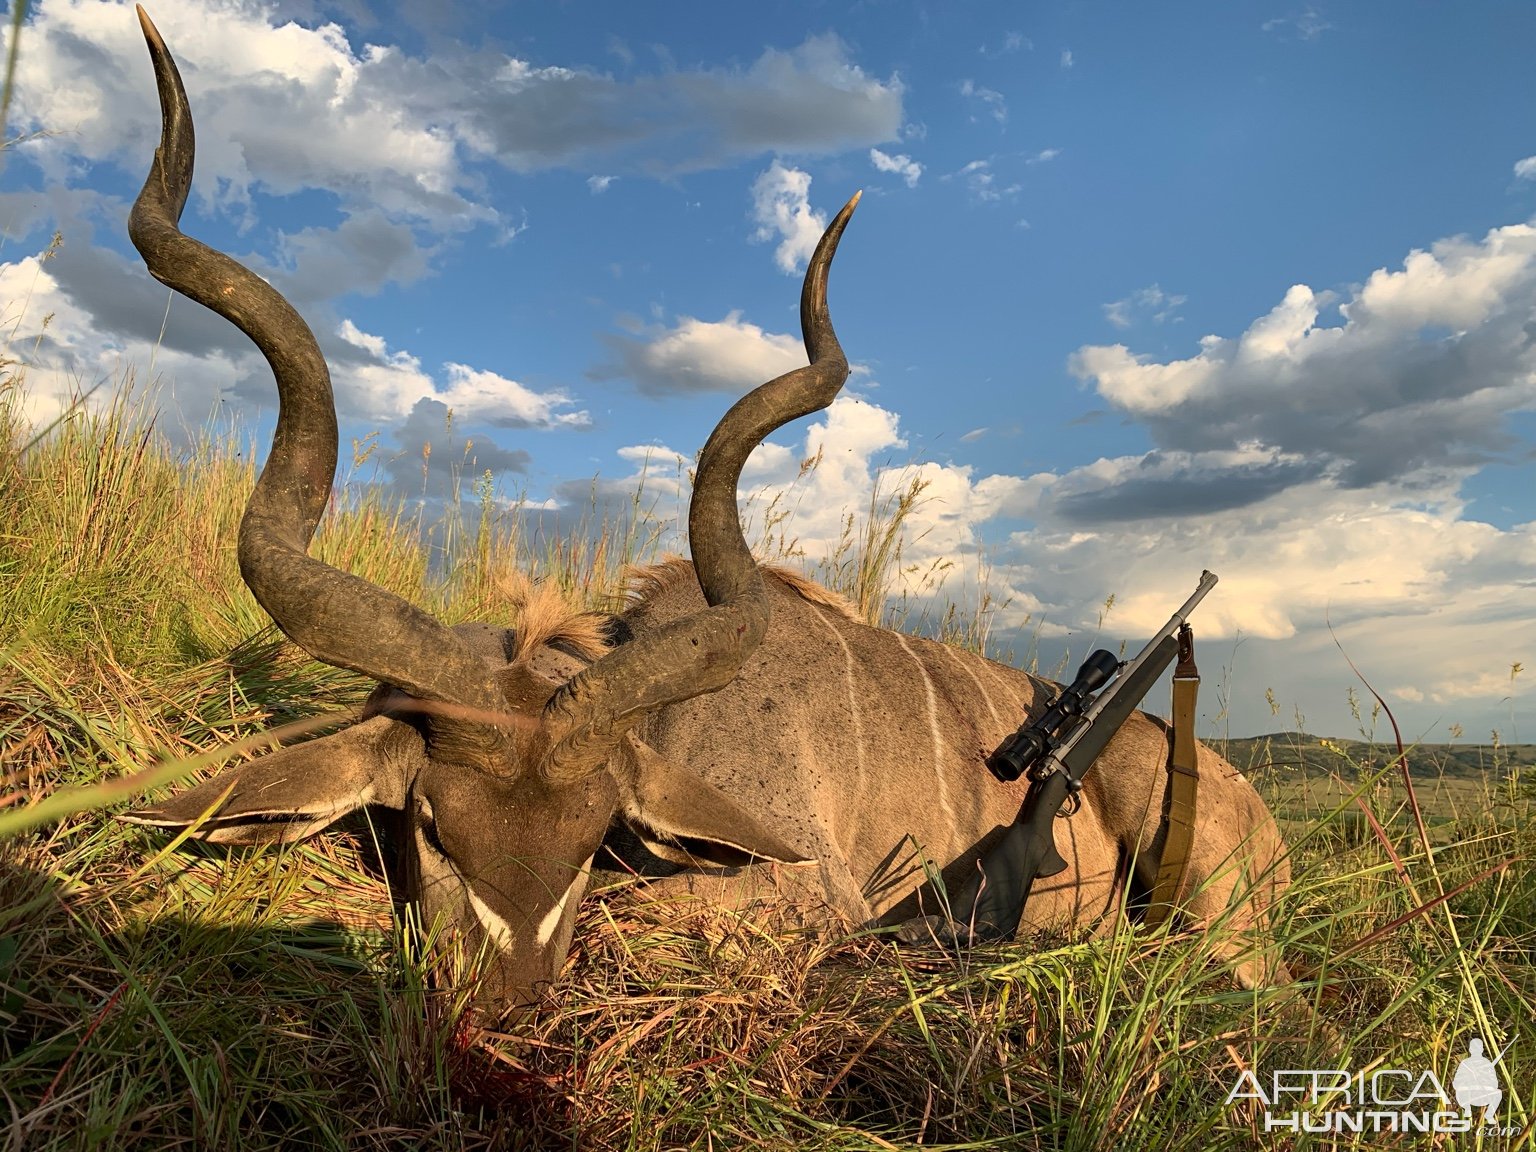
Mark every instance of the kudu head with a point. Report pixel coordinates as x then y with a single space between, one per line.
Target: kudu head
508 774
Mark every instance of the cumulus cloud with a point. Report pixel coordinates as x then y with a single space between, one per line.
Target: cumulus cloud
365 252
1526 169
660 476
288 108
1416 383
1151 302
729 355
1395 575
901 164
104 318
389 385
599 184
1044 156
64 352
838 465
434 456
781 208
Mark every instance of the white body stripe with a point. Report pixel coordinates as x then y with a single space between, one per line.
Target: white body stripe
933 728
986 697
853 710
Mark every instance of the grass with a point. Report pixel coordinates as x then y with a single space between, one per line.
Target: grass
157 995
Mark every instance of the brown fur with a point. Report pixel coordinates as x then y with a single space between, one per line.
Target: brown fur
546 616
646 583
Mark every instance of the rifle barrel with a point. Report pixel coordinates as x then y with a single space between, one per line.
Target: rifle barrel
1207 582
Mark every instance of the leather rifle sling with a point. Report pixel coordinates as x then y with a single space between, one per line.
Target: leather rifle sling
1183 785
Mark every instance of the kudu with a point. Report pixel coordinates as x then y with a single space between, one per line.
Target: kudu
740 716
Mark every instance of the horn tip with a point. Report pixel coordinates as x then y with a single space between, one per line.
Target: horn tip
151 33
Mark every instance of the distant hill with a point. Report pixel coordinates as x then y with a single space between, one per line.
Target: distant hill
1322 755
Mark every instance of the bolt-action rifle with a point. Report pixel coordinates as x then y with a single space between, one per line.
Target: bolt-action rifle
1056 751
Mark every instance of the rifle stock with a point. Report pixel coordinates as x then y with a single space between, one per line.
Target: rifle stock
994 899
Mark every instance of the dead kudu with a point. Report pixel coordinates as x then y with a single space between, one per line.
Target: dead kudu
743 716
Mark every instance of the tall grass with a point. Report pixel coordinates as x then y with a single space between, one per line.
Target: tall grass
156 995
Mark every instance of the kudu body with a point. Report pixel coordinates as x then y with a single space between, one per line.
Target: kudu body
740 720
864 750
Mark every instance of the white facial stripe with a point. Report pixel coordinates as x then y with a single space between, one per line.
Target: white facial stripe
495 927
552 918
439 870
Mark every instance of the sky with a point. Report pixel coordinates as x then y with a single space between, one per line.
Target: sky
1135 290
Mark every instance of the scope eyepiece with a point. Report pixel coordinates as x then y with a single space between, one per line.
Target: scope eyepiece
1015 754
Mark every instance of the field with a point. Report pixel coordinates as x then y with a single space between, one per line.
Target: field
158 994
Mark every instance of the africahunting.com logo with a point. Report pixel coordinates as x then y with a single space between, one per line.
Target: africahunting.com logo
1379 1099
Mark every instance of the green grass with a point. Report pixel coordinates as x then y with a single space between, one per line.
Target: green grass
156 995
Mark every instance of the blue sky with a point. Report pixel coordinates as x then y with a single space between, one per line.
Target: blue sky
1135 289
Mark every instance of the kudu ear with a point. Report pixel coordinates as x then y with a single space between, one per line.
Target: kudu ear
683 818
295 792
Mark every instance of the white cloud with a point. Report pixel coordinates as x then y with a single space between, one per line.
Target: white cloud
654 487
982 183
781 207
73 350
1066 58
1394 565
992 101
288 108
62 352
391 385
599 184
851 444
729 355
284 108
1418 380
373 345
1526 169
1416 592
1319 470
1308 24
1151 301
901 164
1012 42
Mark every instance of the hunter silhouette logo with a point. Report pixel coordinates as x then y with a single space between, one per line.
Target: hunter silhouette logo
1476 1081
1379 1100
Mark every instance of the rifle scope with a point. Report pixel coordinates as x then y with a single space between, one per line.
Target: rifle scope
1017 754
